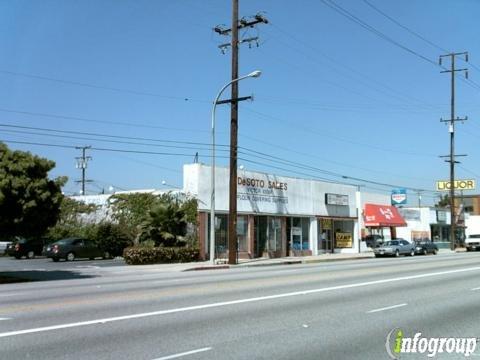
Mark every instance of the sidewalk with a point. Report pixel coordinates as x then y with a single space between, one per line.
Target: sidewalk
289 260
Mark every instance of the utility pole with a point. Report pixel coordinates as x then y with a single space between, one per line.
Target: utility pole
232 218
451 129
82 162
234 44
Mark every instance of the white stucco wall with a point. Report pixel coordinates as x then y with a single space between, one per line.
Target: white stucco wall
296 197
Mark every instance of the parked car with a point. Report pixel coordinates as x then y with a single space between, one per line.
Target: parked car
424 247
374 240
395 247
73 248
472 242
26 247
4 246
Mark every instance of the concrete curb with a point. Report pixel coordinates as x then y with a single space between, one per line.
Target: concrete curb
313 261
286 262
211 267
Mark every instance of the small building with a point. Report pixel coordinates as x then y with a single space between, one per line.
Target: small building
277 215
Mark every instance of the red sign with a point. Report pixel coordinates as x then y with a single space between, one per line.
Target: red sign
382 216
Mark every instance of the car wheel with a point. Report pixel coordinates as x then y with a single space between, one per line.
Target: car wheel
425 252
30 255
397 253
435 251
412 252
70 256
468 249
55 259
377 256
18 256
106 255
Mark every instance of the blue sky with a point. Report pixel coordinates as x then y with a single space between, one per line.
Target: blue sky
332 95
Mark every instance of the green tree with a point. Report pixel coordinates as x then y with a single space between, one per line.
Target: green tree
444 201
70 221
168 220
130 211
29 200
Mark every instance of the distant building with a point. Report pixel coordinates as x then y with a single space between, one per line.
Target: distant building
471 203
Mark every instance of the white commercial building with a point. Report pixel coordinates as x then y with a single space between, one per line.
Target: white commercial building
282 216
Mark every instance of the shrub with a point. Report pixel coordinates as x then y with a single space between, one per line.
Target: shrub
141 255
112 238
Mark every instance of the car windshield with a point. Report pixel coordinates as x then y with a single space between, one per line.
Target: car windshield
64 241
475 236
390 243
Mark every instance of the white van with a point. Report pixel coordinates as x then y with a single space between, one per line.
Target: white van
472 242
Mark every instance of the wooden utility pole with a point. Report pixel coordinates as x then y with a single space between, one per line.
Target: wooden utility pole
82 163
451 129
234 44
232 218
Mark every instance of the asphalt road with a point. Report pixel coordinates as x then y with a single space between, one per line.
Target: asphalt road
337 310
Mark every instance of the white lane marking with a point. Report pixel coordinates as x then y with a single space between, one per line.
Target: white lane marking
233 302
12 294
386 308
184 354
2 319
474 289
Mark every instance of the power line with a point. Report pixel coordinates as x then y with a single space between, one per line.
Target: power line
342 11
104 149
94 86
101 140
337 64
147 144
332 137
108 135
290 164
76 118
438 47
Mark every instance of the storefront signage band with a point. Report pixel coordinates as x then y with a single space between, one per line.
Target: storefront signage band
259 183
336 199
458 185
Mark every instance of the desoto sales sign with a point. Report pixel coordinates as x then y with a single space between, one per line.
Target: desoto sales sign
457 185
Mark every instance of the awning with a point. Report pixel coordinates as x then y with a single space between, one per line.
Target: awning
382 216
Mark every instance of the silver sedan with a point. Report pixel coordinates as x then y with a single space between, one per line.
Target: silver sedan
395 247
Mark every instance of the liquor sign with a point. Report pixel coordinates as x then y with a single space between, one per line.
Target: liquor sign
399 196
457 185
336 199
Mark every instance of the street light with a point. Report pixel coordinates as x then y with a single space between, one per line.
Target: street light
253 74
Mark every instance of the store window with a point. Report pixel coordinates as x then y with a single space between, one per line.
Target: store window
221 235
274 234
343 233
242 232
299 233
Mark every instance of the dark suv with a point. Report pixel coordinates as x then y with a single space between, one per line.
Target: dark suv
26 247
373 241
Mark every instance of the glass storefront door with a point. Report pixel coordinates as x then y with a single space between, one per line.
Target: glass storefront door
325 236
260 230
268 236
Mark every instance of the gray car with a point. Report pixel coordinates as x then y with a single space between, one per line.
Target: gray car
395 247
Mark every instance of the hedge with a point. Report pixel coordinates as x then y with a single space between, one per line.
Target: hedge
141 255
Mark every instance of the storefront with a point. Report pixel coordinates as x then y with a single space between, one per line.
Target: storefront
335 233
378 217
277 216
